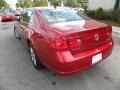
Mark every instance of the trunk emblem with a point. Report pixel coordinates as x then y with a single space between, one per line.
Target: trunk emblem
79 41
96 37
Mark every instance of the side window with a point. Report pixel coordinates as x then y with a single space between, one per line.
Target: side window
31 18
26 16
29 13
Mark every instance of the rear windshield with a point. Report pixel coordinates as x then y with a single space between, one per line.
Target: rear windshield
61 15
5 12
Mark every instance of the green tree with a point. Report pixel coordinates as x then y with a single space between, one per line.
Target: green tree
27 3
24 3
70 3
3 4
38 3
17 5
55 3
6 5
117 3
20 3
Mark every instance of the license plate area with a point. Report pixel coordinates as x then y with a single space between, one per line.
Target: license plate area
96 58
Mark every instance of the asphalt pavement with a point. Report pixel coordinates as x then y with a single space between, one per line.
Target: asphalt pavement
17 72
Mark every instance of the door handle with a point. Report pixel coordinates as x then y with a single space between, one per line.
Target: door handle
26 30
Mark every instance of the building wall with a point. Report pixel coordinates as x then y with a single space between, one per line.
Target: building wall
105 4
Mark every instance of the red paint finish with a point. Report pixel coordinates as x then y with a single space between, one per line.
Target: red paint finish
67 47
7 16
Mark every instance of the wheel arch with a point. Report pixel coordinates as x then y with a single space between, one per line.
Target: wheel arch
28 42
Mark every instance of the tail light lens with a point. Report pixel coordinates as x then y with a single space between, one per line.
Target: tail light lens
59 44
66 43
74 42
109 30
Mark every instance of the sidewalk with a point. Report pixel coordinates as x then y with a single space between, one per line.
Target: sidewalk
116 31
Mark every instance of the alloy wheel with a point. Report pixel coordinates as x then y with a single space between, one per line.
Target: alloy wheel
16 33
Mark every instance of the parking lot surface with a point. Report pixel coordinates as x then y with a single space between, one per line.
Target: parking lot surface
17 72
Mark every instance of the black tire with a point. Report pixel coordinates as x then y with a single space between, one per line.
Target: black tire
35 61
16 33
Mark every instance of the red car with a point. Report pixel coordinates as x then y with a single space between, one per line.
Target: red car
63 40
5 16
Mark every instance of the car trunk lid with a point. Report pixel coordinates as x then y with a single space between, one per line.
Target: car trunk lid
87 40
84 35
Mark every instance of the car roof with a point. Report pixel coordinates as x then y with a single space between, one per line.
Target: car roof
48 8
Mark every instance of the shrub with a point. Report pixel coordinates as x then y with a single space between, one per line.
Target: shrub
99 14
90 13
107 15
115 15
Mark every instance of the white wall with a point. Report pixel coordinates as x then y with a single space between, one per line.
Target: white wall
105 4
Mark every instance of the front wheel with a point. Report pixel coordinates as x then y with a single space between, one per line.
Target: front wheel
16 33
36 63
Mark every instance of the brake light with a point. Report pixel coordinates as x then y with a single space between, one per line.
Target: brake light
59 44
110 30
65 43
74 42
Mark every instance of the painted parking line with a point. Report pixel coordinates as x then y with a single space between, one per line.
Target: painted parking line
116 35
116 31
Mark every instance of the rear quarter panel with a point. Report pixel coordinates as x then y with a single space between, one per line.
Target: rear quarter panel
41 38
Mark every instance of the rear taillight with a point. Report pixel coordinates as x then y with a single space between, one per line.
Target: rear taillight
66 43
74 42
59 44
109 30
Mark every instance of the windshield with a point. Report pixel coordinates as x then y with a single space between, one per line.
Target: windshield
65 15
5 12
17 11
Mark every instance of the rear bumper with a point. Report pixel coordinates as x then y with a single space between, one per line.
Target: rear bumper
68 64
9 18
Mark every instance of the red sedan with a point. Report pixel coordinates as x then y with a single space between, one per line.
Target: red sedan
5 16
63 40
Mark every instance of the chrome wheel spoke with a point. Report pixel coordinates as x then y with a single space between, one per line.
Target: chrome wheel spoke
33 56
34 61
17 34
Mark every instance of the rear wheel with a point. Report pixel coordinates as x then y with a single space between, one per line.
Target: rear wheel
36 63
16 33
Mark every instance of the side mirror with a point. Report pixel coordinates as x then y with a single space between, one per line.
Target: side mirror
18 19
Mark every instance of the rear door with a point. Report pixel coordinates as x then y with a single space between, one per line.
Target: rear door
24 25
